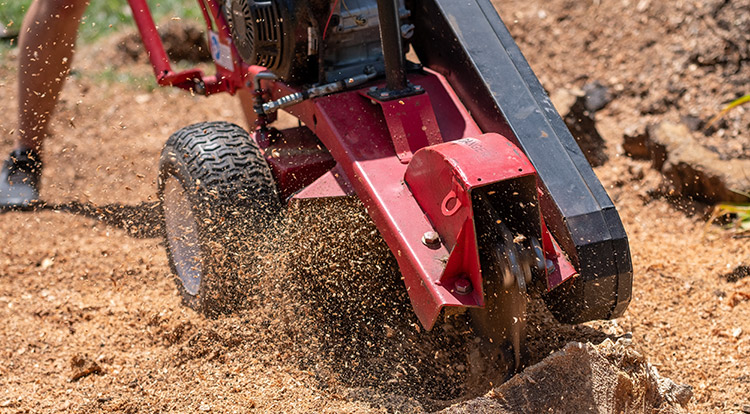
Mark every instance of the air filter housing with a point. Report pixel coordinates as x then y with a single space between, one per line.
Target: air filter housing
275 34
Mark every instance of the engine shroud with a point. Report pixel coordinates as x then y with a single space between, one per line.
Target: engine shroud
287 37
265 34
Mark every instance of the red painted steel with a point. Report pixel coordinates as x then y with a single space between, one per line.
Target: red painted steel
563 270
151 40
442 178
296 158
359 139
412 124
225 80
371 143
332 184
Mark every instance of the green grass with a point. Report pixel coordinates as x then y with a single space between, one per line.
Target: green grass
738 211
111 75
102 18
731 105
105 16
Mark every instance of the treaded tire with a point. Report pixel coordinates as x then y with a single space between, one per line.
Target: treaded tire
217 197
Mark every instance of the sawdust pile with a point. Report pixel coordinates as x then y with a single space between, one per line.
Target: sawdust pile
343 304
334 304
326 327
92 321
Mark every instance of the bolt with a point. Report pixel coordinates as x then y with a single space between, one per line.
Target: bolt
200 88
430 238
463 286
550 266
407 31
417 88
385 94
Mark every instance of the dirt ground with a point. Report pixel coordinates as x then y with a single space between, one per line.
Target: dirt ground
92 321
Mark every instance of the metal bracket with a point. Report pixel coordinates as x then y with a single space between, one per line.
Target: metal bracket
384 94
411 121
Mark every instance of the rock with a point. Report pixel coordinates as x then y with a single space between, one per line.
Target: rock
597 96
83 366
691 169
681 394
736 333
612 377
572 107
693 122
738 273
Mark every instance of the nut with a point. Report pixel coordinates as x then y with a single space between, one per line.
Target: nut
463 286
407 31
430 238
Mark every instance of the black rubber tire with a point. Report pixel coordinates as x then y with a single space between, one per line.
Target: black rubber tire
217 197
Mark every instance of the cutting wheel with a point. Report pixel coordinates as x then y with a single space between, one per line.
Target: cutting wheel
502 321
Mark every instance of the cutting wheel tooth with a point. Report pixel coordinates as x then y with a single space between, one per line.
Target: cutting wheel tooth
502 322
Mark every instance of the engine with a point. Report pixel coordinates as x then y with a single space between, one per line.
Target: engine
310 41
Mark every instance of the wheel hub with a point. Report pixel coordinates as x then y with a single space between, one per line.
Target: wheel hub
182 235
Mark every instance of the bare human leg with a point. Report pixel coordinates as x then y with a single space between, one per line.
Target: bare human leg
46 43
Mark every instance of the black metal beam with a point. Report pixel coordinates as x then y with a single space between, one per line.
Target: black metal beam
390 39
468 43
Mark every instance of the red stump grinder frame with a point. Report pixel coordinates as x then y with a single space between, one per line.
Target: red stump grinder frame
465 167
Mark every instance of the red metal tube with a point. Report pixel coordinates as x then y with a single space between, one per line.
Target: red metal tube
151 40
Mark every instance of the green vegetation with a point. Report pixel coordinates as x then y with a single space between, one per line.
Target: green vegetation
111 75
104 16
741 211
731 105
738 210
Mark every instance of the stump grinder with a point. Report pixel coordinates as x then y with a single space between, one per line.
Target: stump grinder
454 148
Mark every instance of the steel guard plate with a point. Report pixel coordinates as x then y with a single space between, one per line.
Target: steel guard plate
407 200
441 179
